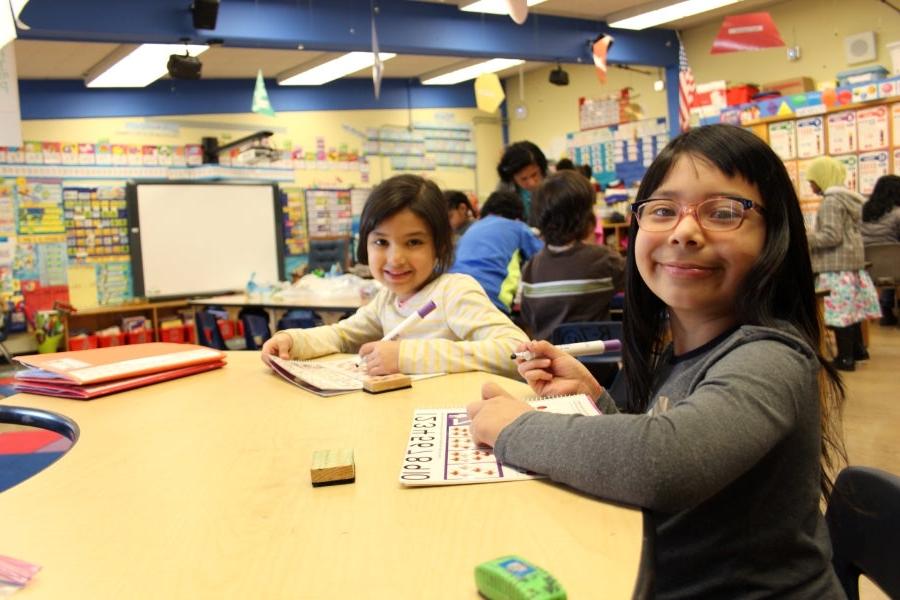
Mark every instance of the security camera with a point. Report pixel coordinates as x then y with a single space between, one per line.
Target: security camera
184 66
558 76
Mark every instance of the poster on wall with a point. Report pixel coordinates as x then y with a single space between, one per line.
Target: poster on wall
39 207
872 128
841 132
805 190
810 137
872 165
782 139
791 167
851 164
895 119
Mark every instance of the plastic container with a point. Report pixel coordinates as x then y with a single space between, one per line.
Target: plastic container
739 94
49 343
861 75
112 339
140 336
175 335
83 342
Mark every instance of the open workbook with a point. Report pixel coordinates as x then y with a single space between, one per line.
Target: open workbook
441 450
332 377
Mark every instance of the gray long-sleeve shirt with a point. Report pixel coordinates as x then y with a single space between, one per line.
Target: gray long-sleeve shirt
727 461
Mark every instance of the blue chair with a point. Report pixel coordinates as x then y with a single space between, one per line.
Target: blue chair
863 519
208 333
324 252
256 327
603 367
299 318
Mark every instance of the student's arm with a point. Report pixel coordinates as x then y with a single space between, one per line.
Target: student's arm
489 337
530 243
830 225
747 403
344 336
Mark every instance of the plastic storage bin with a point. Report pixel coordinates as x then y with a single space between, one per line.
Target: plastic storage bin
114 339
176 335
140 336
83 342
861 75
740 94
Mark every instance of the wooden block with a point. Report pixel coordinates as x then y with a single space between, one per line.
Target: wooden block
330 467
386 383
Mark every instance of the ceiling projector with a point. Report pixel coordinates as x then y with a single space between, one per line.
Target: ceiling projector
184 66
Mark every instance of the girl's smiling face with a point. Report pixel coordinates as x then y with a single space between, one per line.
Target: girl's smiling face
697 273
401 253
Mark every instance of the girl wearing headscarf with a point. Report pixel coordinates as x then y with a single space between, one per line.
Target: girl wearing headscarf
836 249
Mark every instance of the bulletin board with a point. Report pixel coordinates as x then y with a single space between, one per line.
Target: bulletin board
192 239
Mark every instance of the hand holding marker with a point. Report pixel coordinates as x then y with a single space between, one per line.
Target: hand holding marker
405 324
579 349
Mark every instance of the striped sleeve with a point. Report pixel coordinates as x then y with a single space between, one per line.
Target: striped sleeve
485 337
345 336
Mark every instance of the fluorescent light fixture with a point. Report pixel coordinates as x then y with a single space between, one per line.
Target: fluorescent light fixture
473 71
331 70
494 7
136 66
657 13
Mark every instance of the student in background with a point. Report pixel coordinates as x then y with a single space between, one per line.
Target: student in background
460 211
568 280
564 164
495 247
522 168
406 242
881 225
837 254
731 438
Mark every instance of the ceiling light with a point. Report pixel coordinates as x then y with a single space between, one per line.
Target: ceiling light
136 66
657 13
494 7
331 70
472 71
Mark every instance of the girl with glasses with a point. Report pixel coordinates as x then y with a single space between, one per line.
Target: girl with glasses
728 437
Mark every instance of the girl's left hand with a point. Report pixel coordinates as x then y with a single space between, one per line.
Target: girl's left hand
382 358
496 410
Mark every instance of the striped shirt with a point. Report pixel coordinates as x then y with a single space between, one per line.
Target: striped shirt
575 284
464 333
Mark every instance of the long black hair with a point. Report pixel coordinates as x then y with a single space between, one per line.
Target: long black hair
884 198
517 157
779 286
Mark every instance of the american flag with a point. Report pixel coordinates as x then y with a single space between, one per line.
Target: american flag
686 89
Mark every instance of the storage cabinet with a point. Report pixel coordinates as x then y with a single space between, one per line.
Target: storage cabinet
93 319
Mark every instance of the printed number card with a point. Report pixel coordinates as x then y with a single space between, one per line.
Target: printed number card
441 450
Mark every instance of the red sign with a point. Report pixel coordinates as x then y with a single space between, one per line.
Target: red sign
752 31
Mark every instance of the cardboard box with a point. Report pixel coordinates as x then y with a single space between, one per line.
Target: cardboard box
795 85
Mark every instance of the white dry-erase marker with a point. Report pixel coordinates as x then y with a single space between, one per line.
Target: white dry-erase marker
405 324
579 349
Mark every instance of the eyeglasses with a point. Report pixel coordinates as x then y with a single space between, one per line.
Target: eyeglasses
718 213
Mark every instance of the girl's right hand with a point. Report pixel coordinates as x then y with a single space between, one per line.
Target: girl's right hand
552 372
278 345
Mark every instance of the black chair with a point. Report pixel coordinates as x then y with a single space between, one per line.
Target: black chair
256 327
324 252
603 367
208 333
863 519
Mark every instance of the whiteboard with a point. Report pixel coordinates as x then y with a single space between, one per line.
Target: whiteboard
194 239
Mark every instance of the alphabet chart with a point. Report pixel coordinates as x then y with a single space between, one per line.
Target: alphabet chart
441 450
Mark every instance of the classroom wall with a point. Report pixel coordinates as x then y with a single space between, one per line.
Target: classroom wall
817 26
553 109
291 130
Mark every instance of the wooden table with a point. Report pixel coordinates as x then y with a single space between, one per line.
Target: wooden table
200 488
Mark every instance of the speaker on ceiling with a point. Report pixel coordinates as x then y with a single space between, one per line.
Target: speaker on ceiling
205 13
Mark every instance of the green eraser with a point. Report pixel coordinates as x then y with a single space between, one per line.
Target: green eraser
514 578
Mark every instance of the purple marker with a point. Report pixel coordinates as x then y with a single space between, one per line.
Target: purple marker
409 321
579 349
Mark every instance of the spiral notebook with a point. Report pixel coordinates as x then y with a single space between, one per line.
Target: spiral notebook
441 451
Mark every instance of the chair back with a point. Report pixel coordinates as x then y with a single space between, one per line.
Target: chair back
588 331
885 259
208 333
863 519
256 328
299 318
324 252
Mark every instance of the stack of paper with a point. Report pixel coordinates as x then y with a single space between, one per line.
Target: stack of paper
88 374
